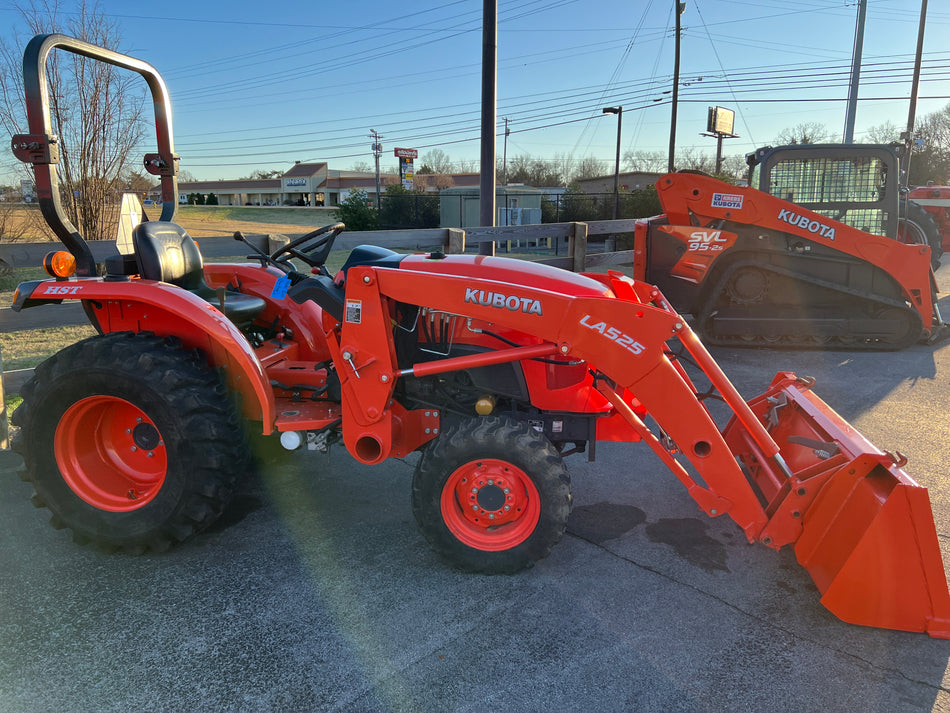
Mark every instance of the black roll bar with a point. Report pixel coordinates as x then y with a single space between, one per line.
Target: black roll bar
41 147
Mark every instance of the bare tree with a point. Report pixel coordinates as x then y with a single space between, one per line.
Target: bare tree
692 159
645 161
96 109
467 165
885 133
533 171
808 132
930 160
421 182
590 167
435 161
263 174
734 166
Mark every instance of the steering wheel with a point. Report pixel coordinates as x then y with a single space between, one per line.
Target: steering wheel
312 248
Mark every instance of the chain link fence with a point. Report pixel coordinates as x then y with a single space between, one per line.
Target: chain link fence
418 210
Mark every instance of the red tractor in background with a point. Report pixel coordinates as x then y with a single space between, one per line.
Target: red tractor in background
936 201
494 369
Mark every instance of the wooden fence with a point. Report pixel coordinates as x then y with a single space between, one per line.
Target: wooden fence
568 241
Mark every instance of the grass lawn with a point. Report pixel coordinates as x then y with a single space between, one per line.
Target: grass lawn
24 350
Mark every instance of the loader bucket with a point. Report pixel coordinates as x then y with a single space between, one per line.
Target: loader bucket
860 525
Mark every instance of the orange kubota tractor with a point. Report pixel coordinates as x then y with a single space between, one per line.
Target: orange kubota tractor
812 259
494 369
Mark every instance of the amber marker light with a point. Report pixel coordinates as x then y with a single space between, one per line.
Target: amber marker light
59 264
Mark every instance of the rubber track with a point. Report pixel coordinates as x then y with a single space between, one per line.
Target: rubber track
793 341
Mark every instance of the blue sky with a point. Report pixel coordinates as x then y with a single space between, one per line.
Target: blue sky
258 86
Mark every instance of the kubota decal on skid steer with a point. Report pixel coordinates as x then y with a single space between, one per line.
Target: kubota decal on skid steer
495 369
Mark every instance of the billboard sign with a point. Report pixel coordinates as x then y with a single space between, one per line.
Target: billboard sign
27 191
406 171
720 120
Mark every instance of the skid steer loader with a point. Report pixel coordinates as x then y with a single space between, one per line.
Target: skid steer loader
755 269
495 369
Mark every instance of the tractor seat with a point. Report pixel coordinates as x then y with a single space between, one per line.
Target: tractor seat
165 252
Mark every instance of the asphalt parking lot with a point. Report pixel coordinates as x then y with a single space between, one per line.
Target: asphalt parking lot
316 592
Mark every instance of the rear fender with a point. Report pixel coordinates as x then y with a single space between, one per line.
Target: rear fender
167 310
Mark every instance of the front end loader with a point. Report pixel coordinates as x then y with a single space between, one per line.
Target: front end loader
494 369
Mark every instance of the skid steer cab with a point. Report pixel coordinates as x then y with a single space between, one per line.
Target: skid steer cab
495 370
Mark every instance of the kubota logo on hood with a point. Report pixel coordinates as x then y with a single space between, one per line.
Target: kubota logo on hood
512 303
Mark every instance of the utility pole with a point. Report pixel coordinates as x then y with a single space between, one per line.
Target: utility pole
504 159
908 136
678 9
855 73
489 63
377 152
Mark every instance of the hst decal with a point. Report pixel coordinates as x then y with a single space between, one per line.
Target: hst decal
62 289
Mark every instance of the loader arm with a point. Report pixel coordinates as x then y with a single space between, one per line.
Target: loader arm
619 327
786 468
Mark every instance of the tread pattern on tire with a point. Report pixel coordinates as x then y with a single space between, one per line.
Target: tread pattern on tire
915 213
206 439
492 437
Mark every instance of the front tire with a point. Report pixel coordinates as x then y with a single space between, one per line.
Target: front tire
491 495
130 441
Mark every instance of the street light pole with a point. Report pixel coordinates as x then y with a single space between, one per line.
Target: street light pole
486 192
618 110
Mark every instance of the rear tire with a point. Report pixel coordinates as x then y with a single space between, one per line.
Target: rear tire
130 441
919 227
491 495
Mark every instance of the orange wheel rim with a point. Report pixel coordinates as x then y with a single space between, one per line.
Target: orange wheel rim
490 505
110 453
